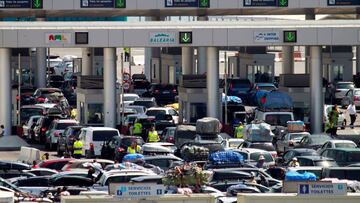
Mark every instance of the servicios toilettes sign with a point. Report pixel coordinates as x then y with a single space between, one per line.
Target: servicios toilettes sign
162 38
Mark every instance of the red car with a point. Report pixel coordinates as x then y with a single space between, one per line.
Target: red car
55 164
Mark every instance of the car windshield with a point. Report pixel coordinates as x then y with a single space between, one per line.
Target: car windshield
353 156
130 98
240 84
234 144
105 135
147 104
296 136
155 112
277 119
47 92
255 156
63 126
320 139
357 92
127 141
345 145
345 86
326 163
26 113
266 88
263 146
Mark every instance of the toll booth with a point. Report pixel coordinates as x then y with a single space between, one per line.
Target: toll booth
193 98
254 64
338 63
166 69
90 100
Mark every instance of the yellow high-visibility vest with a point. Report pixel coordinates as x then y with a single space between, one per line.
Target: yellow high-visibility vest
239 131
137 129
130 150
153 136
78 147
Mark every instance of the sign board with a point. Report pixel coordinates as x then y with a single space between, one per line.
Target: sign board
266 3
185 37
136 190
35 4
187 3
270 37
343 2
322 189
81 38
162 38
126 86
58 38
290 36
103 3
126 77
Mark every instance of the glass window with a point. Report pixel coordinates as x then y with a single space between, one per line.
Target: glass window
277 119
345 86
104 135
353 156
95 113
155 112
263 146
63 126
197 110
345 145
173 112
255 156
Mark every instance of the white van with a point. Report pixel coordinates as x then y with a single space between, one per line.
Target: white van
274 118
93 138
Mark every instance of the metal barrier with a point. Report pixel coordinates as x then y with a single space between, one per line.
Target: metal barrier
28 155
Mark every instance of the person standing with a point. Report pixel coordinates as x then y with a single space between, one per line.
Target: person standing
261 162
134 148
239 131
78 145
333 120
352 112
294 162
153 135
2 130
137 130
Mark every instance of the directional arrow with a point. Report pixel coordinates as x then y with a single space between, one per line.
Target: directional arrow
186 38
283 3
204 3
120 4
290 36
37 4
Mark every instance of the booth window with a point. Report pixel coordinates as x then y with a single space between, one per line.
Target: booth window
95 114
198 110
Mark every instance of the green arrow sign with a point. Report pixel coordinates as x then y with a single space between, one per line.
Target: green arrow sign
37 4
185 37
283 3
120 4
290 36
204 4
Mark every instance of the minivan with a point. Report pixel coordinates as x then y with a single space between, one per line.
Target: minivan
92 139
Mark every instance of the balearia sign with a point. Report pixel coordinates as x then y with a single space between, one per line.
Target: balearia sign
162 38
58 38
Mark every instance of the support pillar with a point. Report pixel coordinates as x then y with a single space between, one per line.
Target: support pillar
201 53
288 59
358 54
212 82
86 62
187 54
310 16
5 90
317 100
40 78
151 52
109 87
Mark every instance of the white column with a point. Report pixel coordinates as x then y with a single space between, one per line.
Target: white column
212 82
317 100
310 16
86 61
187 54
201 53
150 52
288 59
110 87
5 90
40 77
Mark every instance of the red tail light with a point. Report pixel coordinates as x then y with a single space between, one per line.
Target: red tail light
171 140
356 98
40 99
91 147
174 91
43 129
157 91
120 149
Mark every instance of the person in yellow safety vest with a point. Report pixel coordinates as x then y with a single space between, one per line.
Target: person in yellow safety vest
73 113
153 135
239 131
78 145
134 148
137 130
127 54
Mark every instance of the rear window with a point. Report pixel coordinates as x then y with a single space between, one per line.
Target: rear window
47 92
147 104
26 113
155 112
121 179
326 163
164 87
241 84
130 98
353 157
345 86
104 135
255 156
345 145
63 126
294 136
263 146
128 141
266 88
277 119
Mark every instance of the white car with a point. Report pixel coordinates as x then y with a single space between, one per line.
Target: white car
168 145
332 144
289 141
232 143
92 139
252 155
56 129
129 98
27 126
341 89
153 111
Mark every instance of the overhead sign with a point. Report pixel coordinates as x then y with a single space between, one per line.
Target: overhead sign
81 38
188 3
136 190
162 38
35 4
343 2
322 189
58 38
103 3
266 3
185 37
270 37
290 36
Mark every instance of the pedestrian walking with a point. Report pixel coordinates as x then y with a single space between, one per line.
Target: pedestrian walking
352 112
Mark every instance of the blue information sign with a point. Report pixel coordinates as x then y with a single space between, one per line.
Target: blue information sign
187 3
266 3
343 2
97 3
15 4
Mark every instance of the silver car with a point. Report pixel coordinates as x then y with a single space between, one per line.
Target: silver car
341 89
289 141
351 95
